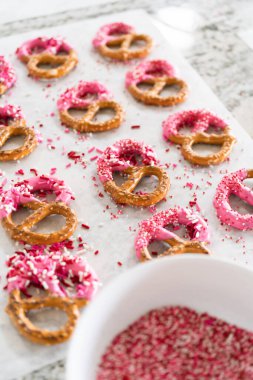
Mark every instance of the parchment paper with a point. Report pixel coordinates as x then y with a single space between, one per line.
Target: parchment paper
113 237
247 37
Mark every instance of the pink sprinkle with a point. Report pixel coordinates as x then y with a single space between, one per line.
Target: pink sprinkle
178 343
119 263
91 149
20 172
93 158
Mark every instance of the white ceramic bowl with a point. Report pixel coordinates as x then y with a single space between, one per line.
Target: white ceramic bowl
218 287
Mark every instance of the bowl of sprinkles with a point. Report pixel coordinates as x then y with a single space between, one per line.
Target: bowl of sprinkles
183 317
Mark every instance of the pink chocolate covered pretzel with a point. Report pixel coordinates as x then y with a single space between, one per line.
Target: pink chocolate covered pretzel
92 97
233 184
154 229
121 36
122 157
7 75
43 50
21 194
68 281
158 74
199 121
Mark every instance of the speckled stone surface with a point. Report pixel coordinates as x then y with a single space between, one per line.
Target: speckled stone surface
222 59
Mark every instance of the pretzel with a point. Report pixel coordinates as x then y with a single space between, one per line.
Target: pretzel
12 123
115 40
154 229
90 96
7 75
159 74
21 194
233 184
57 273
199 121
52 51
121 157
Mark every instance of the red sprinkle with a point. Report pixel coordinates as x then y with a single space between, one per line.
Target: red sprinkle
179 343
135 126
85 226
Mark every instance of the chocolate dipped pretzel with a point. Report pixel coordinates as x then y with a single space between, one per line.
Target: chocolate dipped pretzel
7 75
21 194
158 74
199 121
68 281
154 229
47 51
12 123
121 158
92 97
115 41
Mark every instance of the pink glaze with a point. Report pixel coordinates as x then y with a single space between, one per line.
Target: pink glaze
154 228
198 120
83 95
121 156
10 112
22 193
42 44
7 73
148 70
111 31
57 272
232 184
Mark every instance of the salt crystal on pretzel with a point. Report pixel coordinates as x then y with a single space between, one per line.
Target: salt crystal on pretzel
121 36
199 121
92 97
7 75
47 50
159 74
69 283
154 229
121 157
233 184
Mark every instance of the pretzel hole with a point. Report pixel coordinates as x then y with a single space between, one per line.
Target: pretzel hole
146 185
137 44
114 45
48 318
206 149
52 223
104 114
48 65
169 90
12 143
239 205
77 113
157 248
144 86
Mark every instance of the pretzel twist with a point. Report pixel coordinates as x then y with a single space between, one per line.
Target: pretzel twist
18 308
159 74
7 75
115 40
48 50
233 184
199 121
75 98
28 147
154 229
120 157
23 231
12 123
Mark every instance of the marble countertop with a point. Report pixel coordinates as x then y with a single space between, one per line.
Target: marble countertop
210 43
